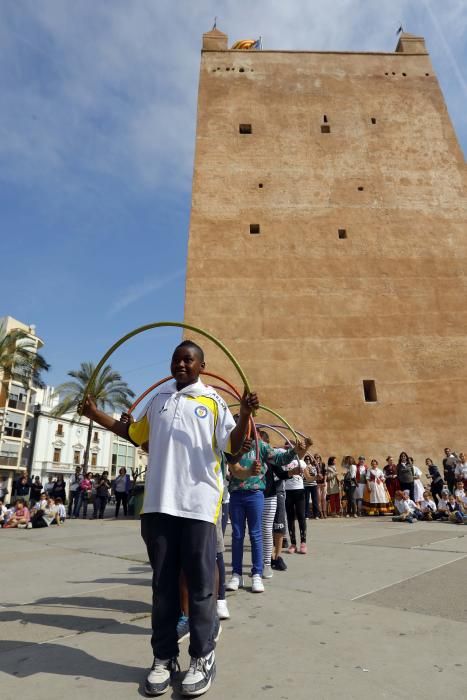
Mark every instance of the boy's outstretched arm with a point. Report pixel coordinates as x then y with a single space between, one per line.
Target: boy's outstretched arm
90 410
248 404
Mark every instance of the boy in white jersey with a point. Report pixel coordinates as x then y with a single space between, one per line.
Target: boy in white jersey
187 426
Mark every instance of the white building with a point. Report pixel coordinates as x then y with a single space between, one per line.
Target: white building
58 444
16 410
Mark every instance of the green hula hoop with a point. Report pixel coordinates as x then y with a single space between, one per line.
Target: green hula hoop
162 324
274 413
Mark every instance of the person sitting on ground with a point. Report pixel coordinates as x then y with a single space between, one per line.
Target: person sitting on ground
3 513
21 516
428 506
456 510
61 510
408 511
51 512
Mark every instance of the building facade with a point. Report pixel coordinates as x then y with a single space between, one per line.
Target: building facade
59 444
328 242
17 403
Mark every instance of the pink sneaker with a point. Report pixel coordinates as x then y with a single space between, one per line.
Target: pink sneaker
292 549
303 548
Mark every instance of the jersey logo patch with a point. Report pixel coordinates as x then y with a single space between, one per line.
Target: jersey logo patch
201 411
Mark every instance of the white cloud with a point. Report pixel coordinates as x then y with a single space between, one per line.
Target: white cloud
139 290
110 87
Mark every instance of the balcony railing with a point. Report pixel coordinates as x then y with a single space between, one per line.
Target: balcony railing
12 432
15 403
8 461
68 467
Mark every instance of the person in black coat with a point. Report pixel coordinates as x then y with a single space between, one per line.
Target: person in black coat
437 482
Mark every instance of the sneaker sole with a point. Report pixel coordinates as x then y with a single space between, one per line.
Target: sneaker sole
154 693
201 691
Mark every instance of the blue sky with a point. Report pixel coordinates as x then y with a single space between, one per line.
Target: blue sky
96 150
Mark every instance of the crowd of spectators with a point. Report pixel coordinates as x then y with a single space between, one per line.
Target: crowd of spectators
399 489
34 504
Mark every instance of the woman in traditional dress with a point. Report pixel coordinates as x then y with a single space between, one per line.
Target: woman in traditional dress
376 500
390 474
418 487
333 488
361 483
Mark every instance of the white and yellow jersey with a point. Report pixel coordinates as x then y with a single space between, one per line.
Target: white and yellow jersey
187 430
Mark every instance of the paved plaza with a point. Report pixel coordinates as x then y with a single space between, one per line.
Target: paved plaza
377 609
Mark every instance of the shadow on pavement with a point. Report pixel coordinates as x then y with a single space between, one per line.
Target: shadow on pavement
63 661
122 605
76 623
123 581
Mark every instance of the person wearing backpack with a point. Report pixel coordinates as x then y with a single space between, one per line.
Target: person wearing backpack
405 474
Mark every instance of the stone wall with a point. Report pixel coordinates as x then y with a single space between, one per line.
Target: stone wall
354 175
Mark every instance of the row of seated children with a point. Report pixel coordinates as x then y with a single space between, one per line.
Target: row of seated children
450 507
48 511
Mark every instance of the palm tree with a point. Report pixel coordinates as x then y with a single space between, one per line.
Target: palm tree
110 392
19 359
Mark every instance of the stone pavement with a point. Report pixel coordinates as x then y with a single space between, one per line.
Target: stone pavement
377 609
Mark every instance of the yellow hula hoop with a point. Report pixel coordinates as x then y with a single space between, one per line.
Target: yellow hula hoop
161 324
274 413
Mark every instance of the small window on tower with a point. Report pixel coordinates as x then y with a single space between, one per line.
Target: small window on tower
325 129
369 390
325 119
342 233
360 189
255 228
373 120
245 129
260 185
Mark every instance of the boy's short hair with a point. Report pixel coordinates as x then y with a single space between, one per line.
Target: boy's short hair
194 346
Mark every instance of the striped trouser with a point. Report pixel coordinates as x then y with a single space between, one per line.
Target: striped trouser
269 512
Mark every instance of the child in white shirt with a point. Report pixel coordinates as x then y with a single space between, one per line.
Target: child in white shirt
427 506
61 509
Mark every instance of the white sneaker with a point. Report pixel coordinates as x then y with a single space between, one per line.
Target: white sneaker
222 610
158 678
236 582
200 675
267 571
257 585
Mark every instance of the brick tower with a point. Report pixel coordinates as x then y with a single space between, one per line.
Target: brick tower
328 242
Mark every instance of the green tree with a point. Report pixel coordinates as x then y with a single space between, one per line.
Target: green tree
19 359
110 393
